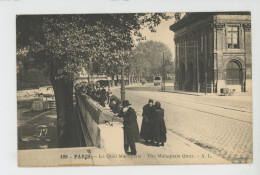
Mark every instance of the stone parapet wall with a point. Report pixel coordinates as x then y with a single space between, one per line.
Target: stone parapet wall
97 119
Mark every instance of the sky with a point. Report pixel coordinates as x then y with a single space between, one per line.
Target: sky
163 34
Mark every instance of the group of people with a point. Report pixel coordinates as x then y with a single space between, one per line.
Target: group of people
153 129
97 93
102 96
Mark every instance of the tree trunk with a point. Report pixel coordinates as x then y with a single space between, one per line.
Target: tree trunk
117 80
63 90
112 81
88 79
129 79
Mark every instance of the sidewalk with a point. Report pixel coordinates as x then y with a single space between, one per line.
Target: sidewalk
177 151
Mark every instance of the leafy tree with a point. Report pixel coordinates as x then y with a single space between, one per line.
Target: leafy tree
68 43
29 75
148 58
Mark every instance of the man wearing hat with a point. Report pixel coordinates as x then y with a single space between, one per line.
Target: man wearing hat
146 129
131 130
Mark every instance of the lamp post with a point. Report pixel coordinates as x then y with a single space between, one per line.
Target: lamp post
163 76
140 72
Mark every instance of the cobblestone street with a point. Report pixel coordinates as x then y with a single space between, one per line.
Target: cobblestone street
219 124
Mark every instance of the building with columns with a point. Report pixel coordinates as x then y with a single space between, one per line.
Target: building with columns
213 51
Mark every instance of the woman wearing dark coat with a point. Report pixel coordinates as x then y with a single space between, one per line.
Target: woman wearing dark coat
158 125
146 123
131 131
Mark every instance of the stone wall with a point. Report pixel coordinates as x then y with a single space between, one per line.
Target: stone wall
95 118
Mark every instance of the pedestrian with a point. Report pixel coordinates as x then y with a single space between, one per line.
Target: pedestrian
146 133
93 93
89 90
103 97
103 91
114 104
131 131
158 125
98 94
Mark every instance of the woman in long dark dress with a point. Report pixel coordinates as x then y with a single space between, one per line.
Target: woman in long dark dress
158 125
146 123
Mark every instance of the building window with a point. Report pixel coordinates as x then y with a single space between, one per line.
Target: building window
232 37
233 74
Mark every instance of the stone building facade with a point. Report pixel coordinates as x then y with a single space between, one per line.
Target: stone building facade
213 51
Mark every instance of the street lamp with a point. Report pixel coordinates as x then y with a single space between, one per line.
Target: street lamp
163 76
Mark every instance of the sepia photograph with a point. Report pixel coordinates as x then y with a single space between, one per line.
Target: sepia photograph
134 89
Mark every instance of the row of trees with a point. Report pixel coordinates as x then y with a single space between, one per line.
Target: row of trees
148 58
65 44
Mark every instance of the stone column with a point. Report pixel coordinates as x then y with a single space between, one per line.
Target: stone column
248 57
218 50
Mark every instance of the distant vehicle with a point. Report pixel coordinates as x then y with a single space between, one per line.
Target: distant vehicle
157 80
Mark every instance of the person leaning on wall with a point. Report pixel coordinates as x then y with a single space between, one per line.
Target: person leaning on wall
131 130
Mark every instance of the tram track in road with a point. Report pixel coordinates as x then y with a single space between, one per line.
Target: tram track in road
222 107
229 107
231 117
225 106
212 114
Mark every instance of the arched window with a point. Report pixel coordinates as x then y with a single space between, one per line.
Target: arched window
233 73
